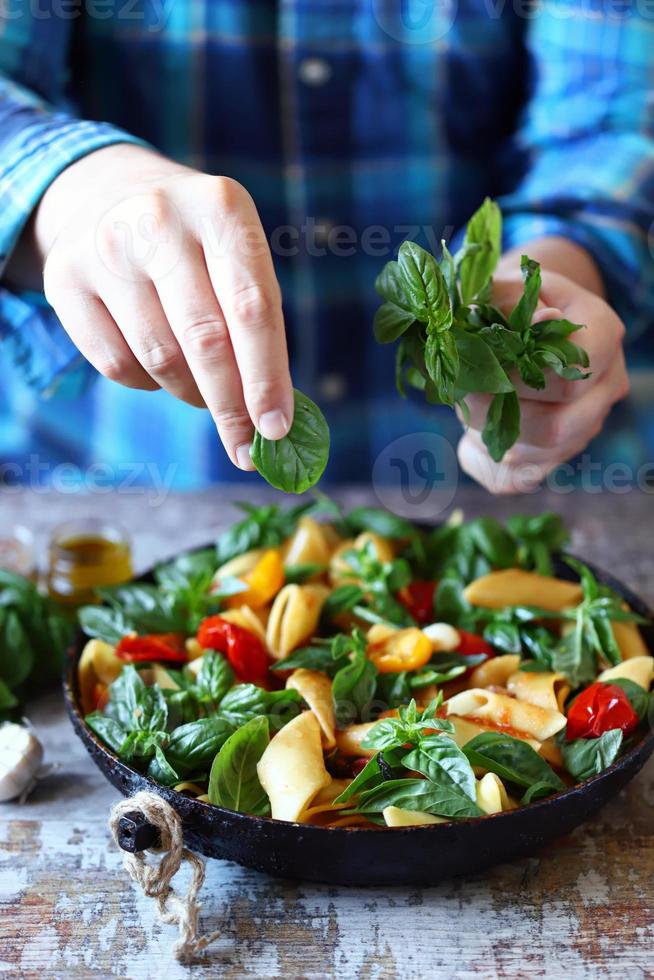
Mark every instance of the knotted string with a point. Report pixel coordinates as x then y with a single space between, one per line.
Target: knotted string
155 879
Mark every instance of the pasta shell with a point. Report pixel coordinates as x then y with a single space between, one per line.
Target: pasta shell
442 636
316 689
294 617
307 544
516 587
292 769
97 664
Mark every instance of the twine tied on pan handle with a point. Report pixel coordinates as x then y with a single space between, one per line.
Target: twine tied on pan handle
166 839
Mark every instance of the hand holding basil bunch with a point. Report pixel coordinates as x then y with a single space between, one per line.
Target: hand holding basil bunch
502 351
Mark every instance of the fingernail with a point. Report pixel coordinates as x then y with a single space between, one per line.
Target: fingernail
273 425
243 457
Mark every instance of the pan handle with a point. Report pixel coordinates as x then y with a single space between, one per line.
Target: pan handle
135 833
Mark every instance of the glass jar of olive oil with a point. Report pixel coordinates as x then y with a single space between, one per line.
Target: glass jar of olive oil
85 555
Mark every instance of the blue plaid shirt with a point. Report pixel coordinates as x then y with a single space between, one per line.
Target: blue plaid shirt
353 123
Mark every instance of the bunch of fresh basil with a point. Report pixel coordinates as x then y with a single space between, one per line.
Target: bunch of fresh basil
453 342
34 635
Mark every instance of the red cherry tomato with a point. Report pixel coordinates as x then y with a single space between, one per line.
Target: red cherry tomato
245 651
418 599
167 647
472 645
600 708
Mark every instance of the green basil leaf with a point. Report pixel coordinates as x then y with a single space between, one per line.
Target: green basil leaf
296 462
513 760
191 748
134 706
246 701
478 264
161 770
342 599
586 757
441 760
390 285
502 426
443 798
233 781
494 542
111 732
639 698
479 368
302 572
442 364
214 678
312 658
353 688
380 522
425 286
522 315
390 322
17 659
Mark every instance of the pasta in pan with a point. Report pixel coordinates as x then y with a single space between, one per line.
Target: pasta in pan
361 672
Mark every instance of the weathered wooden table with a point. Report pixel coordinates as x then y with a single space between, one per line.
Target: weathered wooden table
582 907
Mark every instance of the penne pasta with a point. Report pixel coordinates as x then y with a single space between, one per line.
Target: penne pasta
547 690
640 670
294 617
494 672
516 587
316 689
292 770
506 713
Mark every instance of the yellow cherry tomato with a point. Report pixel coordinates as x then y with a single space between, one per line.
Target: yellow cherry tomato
263 582
407 649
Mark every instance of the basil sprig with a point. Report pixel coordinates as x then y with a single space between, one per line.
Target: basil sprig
452 342
296 462
34 635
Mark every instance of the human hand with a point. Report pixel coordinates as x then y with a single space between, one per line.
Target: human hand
163 278
559 421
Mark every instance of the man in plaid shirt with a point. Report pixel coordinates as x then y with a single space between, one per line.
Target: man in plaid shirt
335 129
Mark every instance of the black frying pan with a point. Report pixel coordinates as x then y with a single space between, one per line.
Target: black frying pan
357 856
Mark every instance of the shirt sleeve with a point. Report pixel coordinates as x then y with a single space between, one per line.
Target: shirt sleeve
37 141
588 135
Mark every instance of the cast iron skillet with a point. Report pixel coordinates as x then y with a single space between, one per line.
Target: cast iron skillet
356 856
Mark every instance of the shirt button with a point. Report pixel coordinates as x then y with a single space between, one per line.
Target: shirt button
314 71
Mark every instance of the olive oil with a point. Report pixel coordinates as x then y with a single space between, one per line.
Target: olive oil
84 556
